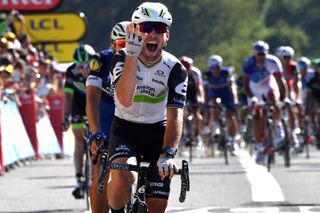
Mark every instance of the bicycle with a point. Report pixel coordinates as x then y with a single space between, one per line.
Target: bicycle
138 201
287 136
248 132
220 135
85 181
268 108
188 138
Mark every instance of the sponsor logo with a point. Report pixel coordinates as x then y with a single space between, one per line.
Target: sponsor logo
160 73
28 4
181 88
95 65
160 193
179 101
158 81
63 52
156 184
141 189
123 148
144 89
54 27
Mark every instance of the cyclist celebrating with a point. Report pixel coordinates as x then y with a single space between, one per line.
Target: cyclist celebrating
220 84
74 106
149 92
100 105
195 94
263 78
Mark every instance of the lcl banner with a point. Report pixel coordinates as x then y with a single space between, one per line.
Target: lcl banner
62 52
54 27
28 4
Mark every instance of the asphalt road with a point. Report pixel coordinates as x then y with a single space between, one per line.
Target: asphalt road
45 186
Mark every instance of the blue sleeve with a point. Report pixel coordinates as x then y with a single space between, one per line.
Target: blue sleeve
246 68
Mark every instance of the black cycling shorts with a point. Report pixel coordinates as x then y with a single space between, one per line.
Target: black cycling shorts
143 141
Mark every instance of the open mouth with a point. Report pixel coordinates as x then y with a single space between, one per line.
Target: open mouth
152 46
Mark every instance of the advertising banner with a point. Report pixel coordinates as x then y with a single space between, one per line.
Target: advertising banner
54 27
62 52
28 4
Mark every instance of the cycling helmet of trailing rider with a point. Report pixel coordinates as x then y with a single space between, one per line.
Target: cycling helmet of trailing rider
118 34
279 51
215 61
82 54
303 63
186 61
287 52
260 47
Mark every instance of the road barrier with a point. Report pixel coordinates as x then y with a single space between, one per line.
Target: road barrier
25 134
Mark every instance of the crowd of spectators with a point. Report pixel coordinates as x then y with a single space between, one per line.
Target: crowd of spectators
23 66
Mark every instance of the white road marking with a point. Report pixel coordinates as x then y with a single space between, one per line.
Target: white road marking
264 187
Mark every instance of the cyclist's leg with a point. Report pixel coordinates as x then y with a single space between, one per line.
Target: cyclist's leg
158 193
78 131
121 150
214 113
99 202
232 122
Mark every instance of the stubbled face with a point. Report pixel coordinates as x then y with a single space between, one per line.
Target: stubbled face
153 45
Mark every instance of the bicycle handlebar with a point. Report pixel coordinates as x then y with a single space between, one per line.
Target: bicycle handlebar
183 172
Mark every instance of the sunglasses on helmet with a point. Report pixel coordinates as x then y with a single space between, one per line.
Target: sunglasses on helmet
159 27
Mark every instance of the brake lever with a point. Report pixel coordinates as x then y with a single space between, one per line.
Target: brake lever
185 182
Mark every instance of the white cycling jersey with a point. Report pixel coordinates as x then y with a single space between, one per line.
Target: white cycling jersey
158 87
262 80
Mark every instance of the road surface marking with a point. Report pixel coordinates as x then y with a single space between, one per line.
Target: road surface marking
264 187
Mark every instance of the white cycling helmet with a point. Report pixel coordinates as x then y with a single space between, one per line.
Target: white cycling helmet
152 12
279 51
260 47
119 31
215 61
303 63
287 51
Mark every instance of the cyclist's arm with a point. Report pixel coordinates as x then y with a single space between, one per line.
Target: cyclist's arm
283 87
298 85
126 85
174 127
68 92
233 89
246 86
177 83
93 90
92 107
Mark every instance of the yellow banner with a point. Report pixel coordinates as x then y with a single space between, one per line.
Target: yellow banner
55 27
62 52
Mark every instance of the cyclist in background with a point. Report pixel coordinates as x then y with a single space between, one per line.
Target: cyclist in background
149 91
263 78
293 80
313 98
74 107
220 84
100 106
306 74
195 94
